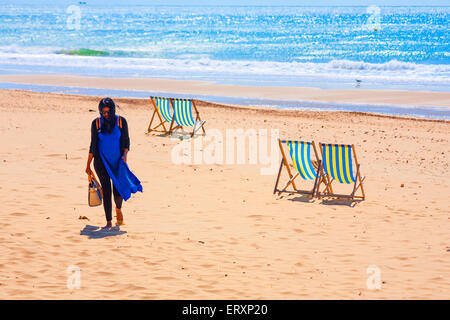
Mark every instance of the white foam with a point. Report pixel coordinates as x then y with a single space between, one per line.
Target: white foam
392 71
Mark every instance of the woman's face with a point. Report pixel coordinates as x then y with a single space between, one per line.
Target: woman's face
105 112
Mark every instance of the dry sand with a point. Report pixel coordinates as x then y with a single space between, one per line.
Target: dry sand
217 231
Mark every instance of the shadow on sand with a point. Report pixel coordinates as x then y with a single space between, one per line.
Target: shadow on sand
94 232
302 198
328 202
177 134
348 203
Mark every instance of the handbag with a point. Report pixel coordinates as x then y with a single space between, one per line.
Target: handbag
95 192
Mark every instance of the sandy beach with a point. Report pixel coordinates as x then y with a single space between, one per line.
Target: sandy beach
403 98
216 231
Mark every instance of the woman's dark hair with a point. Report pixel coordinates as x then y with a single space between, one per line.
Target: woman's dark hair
108 124
107 102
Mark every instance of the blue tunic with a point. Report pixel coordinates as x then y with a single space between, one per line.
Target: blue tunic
123 179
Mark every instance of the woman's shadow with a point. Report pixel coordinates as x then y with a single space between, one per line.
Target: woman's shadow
94 232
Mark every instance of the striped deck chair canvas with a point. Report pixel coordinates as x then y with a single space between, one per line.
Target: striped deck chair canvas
183 115
162 111
338 166
306 168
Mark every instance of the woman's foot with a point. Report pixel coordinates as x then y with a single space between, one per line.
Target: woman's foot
108 225
119 217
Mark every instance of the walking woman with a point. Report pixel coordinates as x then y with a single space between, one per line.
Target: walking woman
110 144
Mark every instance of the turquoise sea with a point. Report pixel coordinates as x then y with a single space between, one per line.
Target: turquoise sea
326 47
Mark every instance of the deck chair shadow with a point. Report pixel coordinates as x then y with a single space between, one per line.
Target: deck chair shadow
163 115
338 167
305 167
183 116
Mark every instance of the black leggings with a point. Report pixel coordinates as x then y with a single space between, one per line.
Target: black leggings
105 181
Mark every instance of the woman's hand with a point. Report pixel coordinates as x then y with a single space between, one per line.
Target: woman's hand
124 156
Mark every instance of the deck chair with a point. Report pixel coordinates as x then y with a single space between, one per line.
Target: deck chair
307 169
183 116
338 166
162 111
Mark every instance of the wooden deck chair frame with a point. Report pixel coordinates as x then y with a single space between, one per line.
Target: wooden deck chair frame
284 163
328 180
162 120
199 123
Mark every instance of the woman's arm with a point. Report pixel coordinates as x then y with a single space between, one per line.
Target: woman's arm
92 147
88 165
124 140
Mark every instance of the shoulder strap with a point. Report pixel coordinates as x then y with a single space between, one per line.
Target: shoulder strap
98 124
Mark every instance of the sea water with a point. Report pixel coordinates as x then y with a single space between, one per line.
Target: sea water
326 47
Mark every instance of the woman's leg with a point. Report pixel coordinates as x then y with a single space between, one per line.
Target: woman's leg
118 201
106 186
117 198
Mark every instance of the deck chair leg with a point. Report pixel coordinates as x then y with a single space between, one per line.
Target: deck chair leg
361 184
286 163
159 125
195 128
358 176
198 116
317 179
289 182
329 182
327 187
278 177
169 132
151 121
195 125
203 128
356 180
199 127
199 123
171 125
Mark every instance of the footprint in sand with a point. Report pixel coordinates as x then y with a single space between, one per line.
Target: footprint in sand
104 273
133 287
256 216
18 214
185 292
48 195
55 155
164 278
